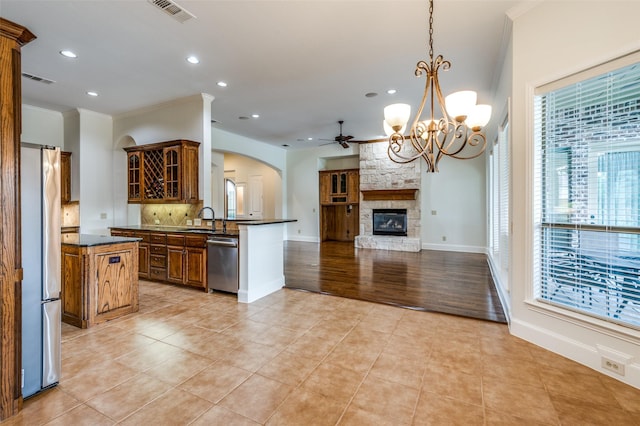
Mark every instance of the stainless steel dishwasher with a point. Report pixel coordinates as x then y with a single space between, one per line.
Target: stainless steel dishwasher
222 264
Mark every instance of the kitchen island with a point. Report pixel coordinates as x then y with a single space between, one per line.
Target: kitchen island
99 278
260 257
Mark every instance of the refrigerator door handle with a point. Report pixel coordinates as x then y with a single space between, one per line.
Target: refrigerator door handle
51 336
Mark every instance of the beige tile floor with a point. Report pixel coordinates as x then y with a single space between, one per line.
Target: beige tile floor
297 358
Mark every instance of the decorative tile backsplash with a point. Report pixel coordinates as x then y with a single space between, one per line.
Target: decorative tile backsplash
169 214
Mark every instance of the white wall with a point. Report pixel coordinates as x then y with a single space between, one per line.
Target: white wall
228 142
240 168
302 188
275 157
553 40
42 126
186 118
96 172
457 195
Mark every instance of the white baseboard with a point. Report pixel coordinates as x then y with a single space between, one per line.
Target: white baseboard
503 294
579 352
453 247
303 239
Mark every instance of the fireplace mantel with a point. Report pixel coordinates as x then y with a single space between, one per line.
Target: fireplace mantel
389 194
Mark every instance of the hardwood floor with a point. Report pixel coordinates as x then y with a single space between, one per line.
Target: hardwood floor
437 281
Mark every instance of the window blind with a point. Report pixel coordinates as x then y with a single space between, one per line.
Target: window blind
587 242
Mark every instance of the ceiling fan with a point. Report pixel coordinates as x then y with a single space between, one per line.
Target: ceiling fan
342 139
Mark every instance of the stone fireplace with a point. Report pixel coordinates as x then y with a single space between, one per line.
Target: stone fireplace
388 186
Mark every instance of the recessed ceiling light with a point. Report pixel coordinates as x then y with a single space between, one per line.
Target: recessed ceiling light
68 54
255 115
222 84
371 95
392 91
193 60
92 93
309 139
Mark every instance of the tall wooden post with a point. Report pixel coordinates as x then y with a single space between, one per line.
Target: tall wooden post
12 38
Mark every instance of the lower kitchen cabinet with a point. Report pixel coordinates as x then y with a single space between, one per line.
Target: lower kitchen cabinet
177 258
99 282
196 267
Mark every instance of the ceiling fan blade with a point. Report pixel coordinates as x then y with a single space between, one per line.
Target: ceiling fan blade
344 144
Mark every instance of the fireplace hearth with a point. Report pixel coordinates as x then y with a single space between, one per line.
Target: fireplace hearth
390 222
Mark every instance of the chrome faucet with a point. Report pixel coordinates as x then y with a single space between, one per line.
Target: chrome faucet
213 216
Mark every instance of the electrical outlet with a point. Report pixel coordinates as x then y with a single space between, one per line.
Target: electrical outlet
444 238
157 221
197 222
103 215
611 365
189 222
434 212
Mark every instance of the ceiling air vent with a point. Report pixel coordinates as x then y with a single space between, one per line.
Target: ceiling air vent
172 9
36 78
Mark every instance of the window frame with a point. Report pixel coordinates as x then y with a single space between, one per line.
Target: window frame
536 186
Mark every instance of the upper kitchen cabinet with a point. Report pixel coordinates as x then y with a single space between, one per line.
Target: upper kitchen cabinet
165 172
340 187
65 177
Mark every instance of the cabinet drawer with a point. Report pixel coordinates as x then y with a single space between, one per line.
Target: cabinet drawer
143 235
158 238
155 249
158 274
175 240
195 241
158 260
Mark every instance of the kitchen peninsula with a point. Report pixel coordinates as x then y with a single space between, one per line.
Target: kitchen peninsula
260 257
99 278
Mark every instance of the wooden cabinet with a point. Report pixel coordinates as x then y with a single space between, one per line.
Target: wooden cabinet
99 283
339 204
177 258
165 172
186 260
65 177
339 186
143 250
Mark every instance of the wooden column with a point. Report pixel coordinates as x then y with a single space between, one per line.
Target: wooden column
12 38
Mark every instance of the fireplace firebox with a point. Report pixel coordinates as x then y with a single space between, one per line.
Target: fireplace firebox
390 222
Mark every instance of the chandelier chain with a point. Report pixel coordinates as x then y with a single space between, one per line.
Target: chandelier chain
431 30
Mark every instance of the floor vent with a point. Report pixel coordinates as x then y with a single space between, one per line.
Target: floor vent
36 78
172 9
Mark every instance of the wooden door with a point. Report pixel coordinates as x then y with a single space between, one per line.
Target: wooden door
255 194
65 177
172 178
143 260
134 177
175 264
353 187
195 267
114 282
325 187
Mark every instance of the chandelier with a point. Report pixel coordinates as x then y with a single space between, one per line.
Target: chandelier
457 133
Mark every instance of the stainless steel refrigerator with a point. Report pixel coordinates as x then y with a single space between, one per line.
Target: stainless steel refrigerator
41 308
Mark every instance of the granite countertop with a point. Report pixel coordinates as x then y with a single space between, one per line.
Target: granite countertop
203 230
88 240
